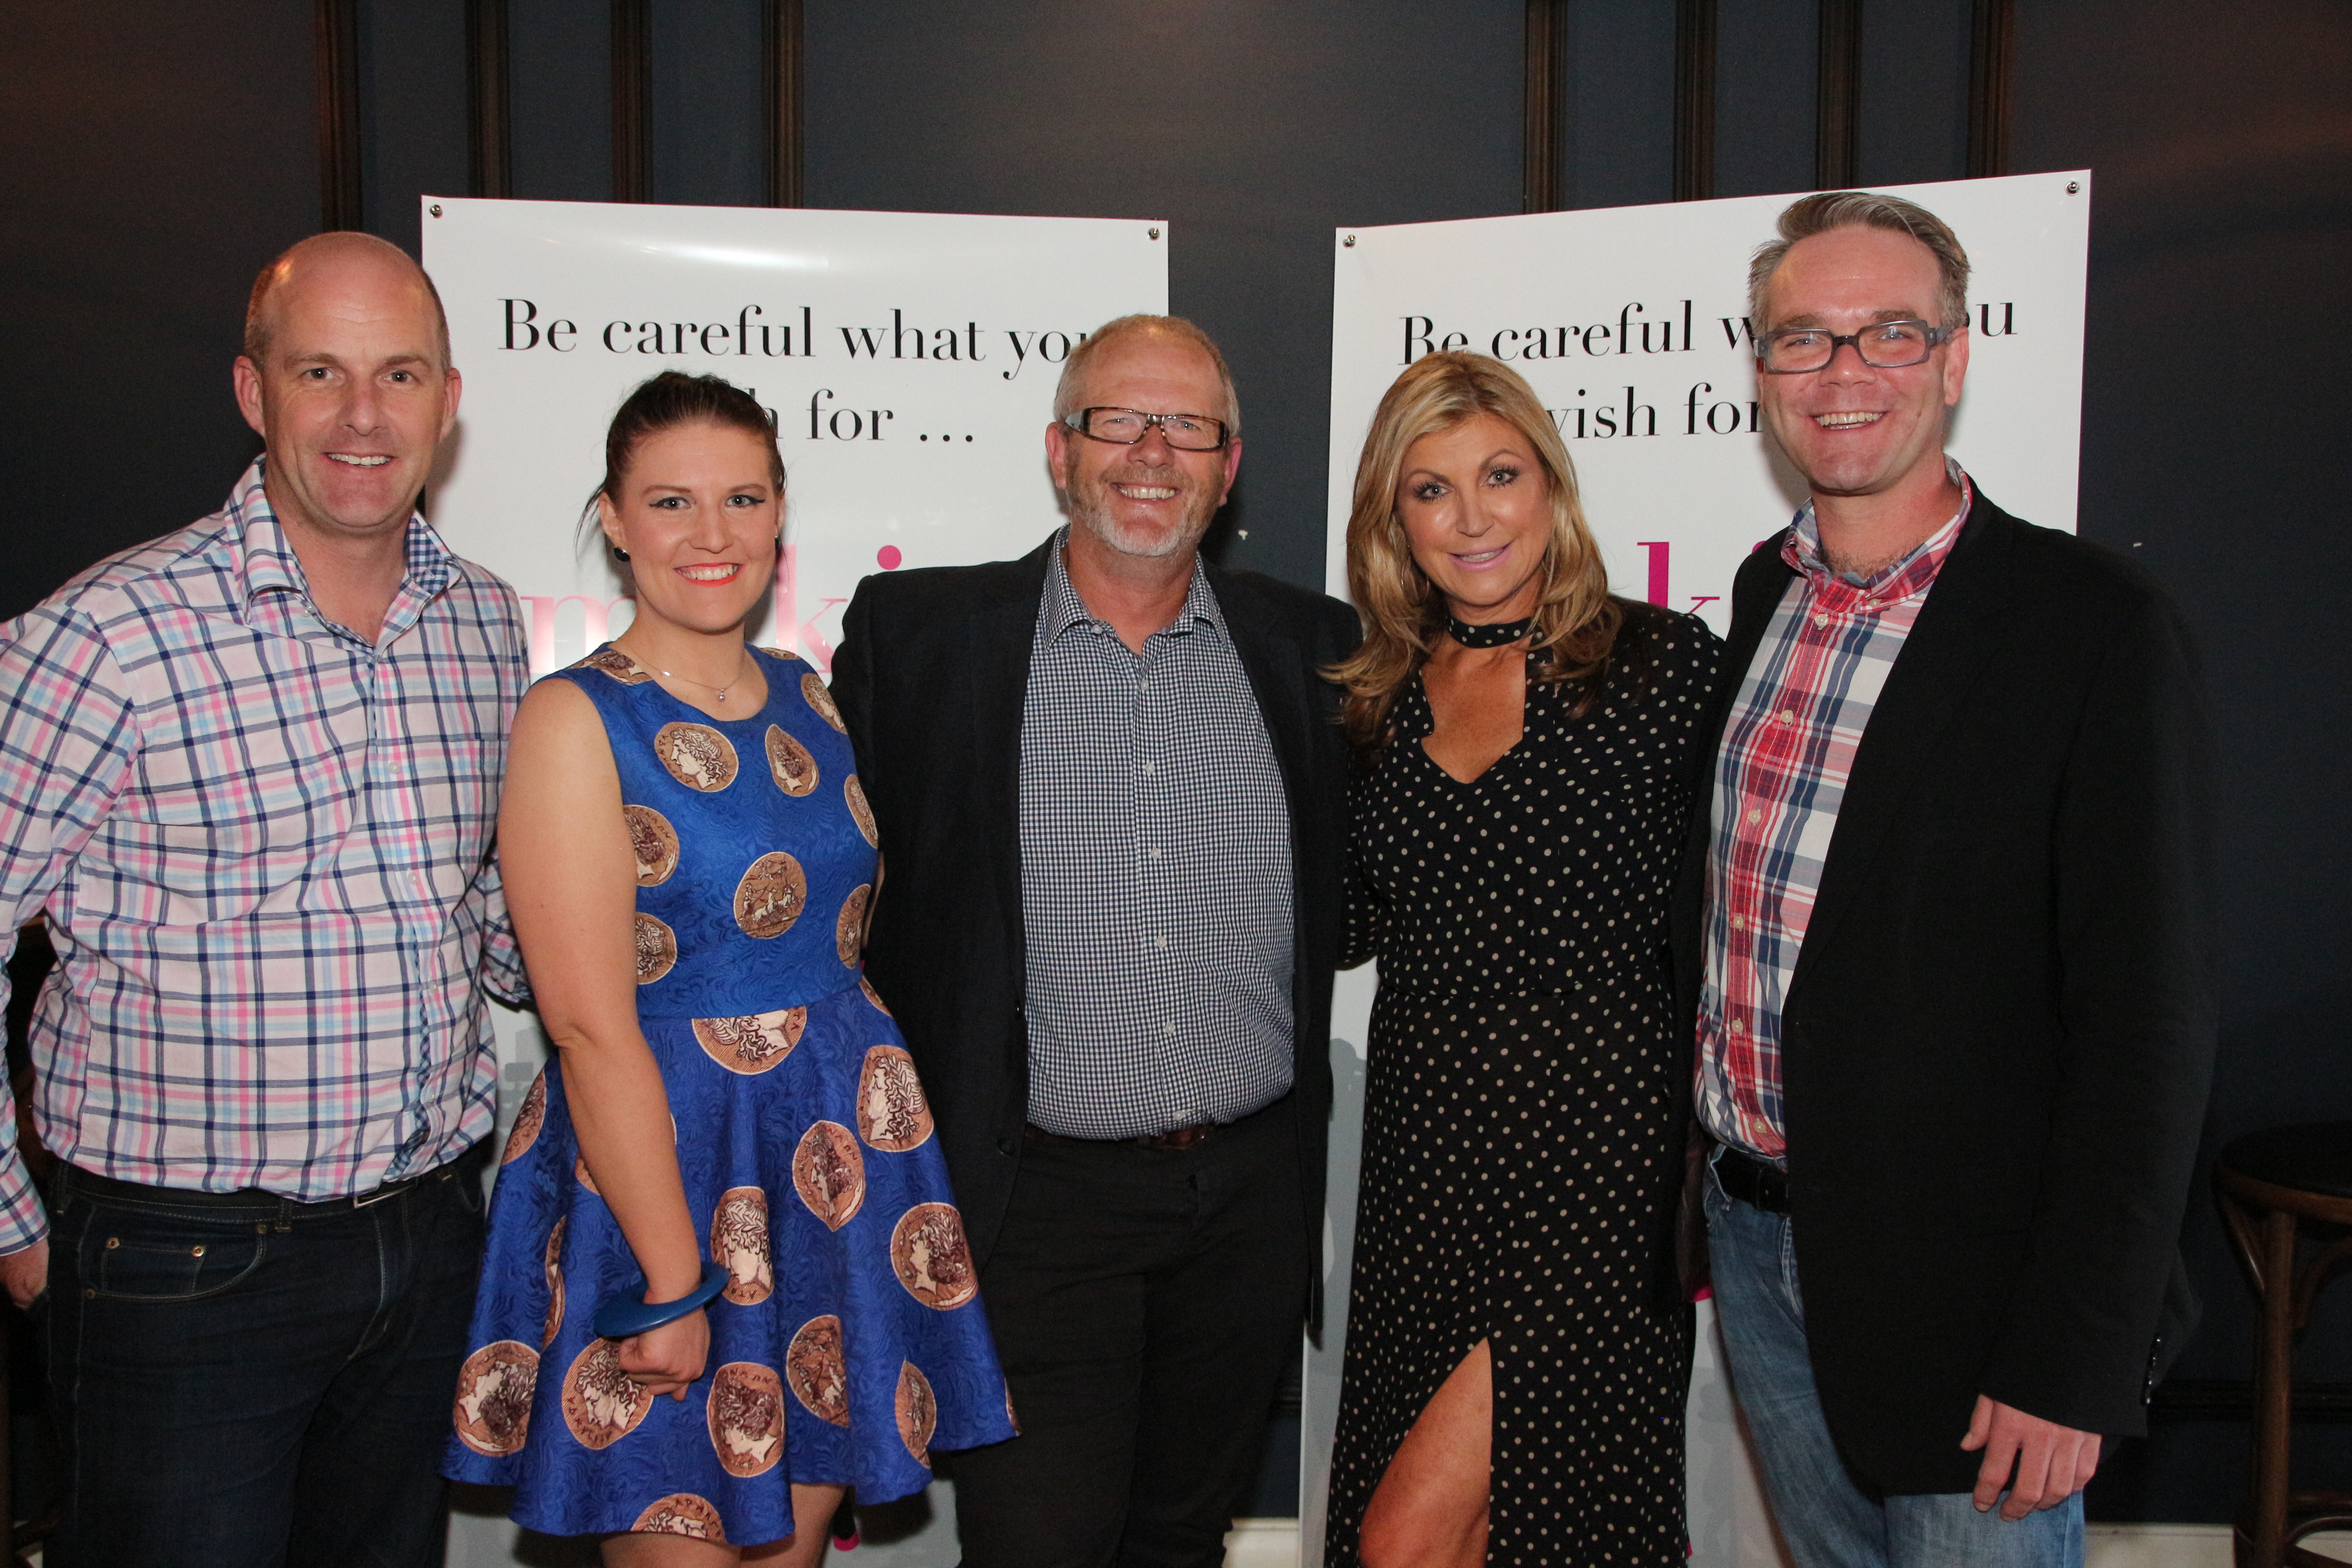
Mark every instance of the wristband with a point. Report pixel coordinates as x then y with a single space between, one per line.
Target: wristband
626 1315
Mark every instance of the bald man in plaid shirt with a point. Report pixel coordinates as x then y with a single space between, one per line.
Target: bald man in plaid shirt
250 770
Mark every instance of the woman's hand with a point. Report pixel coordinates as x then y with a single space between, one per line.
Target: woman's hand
667 1359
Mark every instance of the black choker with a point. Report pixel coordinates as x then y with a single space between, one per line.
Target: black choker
1497 635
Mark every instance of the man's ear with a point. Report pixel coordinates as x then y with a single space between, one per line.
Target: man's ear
245 376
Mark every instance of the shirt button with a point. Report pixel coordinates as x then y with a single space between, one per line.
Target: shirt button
1171 1031
1820 618
1150 767
1739 922
1788 715
1155 852
1737 1027
1160 942
1754 816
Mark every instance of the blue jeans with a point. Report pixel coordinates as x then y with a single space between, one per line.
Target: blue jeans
240 1382
1829 1520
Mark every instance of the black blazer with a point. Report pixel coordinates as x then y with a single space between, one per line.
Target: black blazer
1999 1035
931 677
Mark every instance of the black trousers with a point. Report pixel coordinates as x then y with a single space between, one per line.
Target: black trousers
1146 1304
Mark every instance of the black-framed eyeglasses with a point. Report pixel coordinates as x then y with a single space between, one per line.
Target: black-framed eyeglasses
1882 345
1125 427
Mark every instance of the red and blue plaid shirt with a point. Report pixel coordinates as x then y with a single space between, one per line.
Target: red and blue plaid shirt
265 850
1780 777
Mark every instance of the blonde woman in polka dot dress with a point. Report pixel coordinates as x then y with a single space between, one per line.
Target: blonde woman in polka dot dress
1515 1371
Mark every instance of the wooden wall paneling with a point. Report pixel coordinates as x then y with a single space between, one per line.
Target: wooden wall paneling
337 88
781 65
1543 174
633 94
1990 70
489 99
1837 87
1693 99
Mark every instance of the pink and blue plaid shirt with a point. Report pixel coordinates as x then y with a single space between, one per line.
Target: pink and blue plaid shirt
1779 778
265 851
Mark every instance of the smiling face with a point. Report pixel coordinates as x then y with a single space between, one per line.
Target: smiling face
355 393
1478 517
1850 429
1147 500
698 513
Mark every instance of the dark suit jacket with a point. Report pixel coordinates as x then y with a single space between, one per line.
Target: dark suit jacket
931 675
1999 1035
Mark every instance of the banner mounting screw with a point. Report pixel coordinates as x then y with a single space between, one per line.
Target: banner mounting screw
1153 233
2074 187
1350 242
434 209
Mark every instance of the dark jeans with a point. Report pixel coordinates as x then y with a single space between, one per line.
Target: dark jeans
240 1382
1145 1303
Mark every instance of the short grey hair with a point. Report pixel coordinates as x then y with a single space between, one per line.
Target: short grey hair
1827 210
1066 394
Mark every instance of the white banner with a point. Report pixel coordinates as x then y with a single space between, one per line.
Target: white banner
909 359
1631 325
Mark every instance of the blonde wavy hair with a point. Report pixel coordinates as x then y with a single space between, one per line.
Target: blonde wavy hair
1576 619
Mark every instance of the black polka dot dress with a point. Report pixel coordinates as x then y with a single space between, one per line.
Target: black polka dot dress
1518 1131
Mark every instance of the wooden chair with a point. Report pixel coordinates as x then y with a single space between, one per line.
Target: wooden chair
2271 1183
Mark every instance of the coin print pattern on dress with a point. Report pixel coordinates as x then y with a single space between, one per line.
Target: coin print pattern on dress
654 842
818 1371
830 1174
813 689
617 665
529 1118
602 1404
893 1115
739 1240
873 996
745 1413
681 1513
933 1260
752 1044
790 763
656 949
554 1272
849 926
770 898
696 756
494 1389
854 794
918 1411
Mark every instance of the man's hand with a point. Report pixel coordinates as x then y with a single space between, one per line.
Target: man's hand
25 1272
2052 1462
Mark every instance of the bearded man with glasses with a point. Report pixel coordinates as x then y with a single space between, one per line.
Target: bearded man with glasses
1110 786
1947 938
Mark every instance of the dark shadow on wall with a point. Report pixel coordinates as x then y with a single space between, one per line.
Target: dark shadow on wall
2214 413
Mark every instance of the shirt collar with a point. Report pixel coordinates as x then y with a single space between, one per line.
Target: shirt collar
1064 608
1912 574
265 562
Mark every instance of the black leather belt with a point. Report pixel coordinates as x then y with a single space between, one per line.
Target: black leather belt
1752 1182
1190 1137
253 1199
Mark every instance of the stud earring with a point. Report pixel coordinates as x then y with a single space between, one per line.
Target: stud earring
619 554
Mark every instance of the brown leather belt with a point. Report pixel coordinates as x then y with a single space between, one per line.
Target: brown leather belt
1752 1182
1182 1138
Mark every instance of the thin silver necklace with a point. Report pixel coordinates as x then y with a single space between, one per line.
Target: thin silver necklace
720 691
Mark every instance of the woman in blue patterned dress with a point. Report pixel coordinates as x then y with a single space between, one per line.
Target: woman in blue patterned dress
690 862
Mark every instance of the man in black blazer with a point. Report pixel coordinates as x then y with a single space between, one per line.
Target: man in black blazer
1111 793
1945 934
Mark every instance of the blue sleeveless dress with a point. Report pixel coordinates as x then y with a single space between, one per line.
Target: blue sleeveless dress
850 1341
